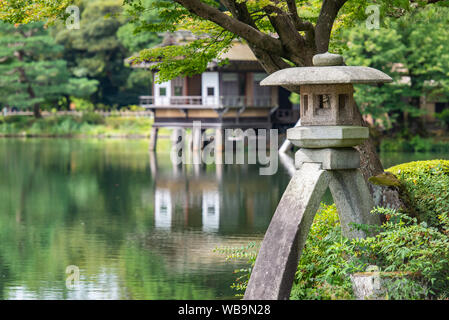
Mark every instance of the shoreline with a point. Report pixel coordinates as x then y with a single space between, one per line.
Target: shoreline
77 136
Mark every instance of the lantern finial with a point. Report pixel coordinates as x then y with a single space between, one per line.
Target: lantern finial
327 59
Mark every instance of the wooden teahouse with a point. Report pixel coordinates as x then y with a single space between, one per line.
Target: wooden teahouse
228 96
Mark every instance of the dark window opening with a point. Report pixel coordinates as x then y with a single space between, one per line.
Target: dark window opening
242 84
323 101
178 91
342 100
306 103
440 106
210 91
162 92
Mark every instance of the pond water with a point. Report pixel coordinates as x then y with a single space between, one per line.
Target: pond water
135 226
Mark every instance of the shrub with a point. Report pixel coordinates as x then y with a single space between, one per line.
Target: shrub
417 249
92 118
426 183
82 104
415 144
323 270
404 245
414 168
136 108
15 119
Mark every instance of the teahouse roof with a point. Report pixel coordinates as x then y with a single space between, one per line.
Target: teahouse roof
238 52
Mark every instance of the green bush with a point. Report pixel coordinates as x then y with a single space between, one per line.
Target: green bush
427 186
15 119
323 269
136 108
417 250
83 104
415 144
92 118
414 168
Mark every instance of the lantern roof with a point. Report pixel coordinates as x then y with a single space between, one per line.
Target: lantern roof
327 69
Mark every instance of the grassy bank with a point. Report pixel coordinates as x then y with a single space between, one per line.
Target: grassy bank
88 125
415 144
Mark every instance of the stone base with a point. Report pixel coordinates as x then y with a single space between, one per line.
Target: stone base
331 159
314 137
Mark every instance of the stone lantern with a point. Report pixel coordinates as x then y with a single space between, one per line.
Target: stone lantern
326 158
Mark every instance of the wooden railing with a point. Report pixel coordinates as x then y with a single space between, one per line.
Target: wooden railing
207 102
286 116
129 114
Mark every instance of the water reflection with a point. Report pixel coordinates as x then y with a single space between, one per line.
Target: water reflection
215 198
136 226
162 208
211 211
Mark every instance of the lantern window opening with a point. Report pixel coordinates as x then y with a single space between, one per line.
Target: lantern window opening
305 99
343 101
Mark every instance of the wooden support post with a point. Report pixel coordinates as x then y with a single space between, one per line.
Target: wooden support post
153 164
153 138
219 140
197 139
176 135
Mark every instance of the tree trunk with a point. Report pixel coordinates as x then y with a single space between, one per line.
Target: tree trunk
23 78
371 166
37 111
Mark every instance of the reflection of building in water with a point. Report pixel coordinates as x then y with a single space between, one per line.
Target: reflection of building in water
220 198
211 211
162 208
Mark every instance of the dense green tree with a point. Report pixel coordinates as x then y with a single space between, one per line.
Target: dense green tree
99 48
131 35
32 73
414 51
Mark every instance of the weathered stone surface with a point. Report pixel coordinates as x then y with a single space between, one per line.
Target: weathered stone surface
325 75
367 285
278 258
327 136
373 284
327 105
327 59
388 192
353 201
331 159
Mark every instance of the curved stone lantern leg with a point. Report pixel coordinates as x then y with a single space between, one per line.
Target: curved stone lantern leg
279 254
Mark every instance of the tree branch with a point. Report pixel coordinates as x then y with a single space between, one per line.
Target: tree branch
326 19
239 11
299 23
245 31
290 38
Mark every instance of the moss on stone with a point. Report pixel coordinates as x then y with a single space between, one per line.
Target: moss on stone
385 179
